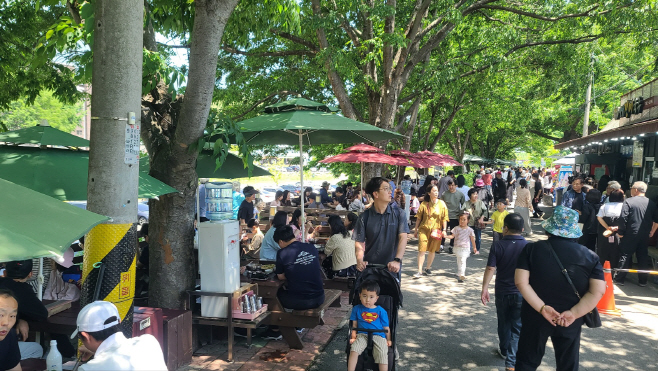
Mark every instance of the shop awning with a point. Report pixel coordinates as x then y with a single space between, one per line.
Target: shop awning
650 126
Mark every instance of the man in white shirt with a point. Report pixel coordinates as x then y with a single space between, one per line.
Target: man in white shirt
98 327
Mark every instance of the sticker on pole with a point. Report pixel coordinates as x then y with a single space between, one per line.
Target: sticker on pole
124 285
132 141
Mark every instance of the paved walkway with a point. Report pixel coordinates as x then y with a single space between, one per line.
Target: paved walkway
444 326
272 355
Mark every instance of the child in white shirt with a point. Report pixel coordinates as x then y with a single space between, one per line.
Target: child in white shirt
464 238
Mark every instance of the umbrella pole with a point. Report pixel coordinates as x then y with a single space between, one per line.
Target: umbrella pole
361 176
301 185
40 280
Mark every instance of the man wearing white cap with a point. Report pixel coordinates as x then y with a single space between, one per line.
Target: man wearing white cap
98 327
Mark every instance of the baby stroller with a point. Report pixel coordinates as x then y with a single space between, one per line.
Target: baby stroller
390 298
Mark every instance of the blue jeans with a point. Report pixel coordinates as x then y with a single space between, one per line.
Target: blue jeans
478 238
508 311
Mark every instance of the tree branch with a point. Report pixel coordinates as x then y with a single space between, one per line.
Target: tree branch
73 10
295 39
543 135
253 107
283 53
538 16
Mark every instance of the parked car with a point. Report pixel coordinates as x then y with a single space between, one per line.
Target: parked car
291 188
267 194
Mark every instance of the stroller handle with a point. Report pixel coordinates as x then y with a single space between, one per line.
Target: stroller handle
368 330
376 266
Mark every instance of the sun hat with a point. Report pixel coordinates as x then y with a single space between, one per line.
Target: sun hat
325 184
563 223
479 183
96 316
249 191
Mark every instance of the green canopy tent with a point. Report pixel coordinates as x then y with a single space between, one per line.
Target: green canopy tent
61 173
303 122
43 135
233 167
33 225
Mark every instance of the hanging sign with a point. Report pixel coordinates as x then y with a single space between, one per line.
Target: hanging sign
638 153
132 141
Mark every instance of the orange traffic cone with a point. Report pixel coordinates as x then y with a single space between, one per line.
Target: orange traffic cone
607 303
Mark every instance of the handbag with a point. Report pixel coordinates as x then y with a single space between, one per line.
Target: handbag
476 223
592 319
436 232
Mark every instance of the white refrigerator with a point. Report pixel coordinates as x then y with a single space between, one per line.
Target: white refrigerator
219 264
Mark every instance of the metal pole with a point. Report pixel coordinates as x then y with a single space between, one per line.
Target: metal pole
361 176
301 182
588 98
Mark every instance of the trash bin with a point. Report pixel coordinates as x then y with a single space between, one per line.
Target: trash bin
559 192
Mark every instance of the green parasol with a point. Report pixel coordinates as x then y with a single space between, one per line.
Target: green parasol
43 135
232 168
61 173
304 122
33 225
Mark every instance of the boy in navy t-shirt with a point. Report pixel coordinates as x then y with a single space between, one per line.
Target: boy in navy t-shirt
370 316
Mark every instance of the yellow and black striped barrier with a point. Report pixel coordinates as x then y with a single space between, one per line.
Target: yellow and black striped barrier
108 269
630 271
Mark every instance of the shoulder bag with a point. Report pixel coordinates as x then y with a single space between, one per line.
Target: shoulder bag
436 232
592 319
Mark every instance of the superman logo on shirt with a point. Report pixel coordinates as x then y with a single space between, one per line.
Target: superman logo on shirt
369 317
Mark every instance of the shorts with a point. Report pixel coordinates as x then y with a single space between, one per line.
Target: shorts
426 242
379 347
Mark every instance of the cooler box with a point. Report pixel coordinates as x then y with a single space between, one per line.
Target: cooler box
177 326
148 321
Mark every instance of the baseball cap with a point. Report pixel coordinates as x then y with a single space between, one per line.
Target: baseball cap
97 316
19 269
249 191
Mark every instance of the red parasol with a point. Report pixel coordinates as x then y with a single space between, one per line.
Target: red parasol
357 157
363 148
413 159
364 154
438 159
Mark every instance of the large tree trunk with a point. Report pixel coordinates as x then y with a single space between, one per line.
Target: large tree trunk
171 217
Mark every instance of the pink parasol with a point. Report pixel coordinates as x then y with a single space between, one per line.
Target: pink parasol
365 156
413 159
363 148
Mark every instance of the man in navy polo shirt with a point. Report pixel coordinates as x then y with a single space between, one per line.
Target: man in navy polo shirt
298 264
503 256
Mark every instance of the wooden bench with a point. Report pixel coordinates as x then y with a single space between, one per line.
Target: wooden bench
310 318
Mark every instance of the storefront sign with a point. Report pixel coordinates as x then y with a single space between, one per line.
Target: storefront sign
627 150
563 176
638 153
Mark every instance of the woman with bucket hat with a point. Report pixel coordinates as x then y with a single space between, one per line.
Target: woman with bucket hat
555 300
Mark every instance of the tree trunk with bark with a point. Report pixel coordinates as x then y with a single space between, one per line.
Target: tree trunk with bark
172 128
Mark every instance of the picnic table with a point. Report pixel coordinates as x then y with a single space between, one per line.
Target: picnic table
289 320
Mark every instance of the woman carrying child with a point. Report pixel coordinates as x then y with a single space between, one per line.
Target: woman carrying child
464 238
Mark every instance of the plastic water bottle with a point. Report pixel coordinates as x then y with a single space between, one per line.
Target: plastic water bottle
54 359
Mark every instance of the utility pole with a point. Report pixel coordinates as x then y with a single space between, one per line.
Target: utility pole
588 96
109 260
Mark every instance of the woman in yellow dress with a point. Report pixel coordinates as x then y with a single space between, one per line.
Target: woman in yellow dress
432 215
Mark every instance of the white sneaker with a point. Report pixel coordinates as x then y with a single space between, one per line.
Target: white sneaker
417 275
